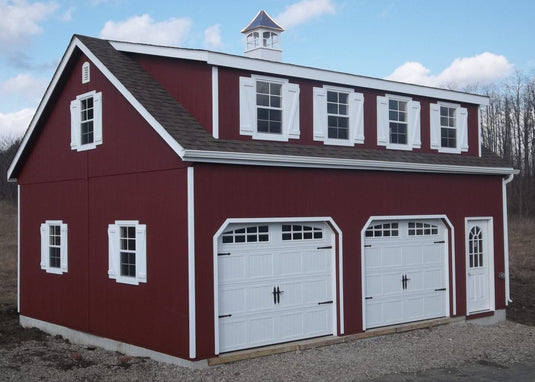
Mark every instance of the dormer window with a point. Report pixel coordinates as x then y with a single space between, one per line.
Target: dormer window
269 108
449 127
398 122
338 116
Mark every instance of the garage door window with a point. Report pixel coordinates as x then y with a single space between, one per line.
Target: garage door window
422 229
251 234
383 230
300 232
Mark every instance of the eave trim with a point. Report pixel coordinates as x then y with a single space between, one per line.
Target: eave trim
254 159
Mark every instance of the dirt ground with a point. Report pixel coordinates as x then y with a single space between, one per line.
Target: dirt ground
522 267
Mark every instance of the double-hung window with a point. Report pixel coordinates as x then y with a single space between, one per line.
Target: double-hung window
269 108
338 116
54 246
398 122
86 121
449 123
127 252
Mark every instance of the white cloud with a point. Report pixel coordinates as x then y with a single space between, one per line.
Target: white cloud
482 69
21 19
14 125
212 36
23 88
304 11
144 29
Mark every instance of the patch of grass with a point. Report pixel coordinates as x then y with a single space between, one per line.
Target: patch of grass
522 248
8 253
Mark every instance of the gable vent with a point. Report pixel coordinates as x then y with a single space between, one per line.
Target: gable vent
85 73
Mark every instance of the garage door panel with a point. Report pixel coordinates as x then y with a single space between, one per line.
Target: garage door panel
259 265
410 282
299 273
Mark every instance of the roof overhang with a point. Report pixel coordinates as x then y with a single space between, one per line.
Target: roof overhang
242 158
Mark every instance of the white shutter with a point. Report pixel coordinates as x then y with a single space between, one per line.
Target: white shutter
113 251
414 124
97 118
44 246
382 121
64 247
141 253
462 128
75 124
319 105
247 106
290 111
435 125
356 117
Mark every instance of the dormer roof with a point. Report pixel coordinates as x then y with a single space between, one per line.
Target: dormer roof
262 20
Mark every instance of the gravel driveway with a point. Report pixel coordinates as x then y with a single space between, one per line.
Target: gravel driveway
38 357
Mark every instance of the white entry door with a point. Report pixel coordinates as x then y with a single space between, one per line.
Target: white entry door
405 272
478 266
275 284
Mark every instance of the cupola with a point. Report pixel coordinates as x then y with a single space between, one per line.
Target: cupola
262 38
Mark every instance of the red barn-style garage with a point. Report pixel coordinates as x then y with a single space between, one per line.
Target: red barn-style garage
183 204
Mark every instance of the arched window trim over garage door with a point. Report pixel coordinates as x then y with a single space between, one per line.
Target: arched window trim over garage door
293 220
378 218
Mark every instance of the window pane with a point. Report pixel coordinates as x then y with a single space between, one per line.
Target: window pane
262 87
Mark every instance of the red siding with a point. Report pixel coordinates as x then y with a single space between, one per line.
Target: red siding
133 175
350 198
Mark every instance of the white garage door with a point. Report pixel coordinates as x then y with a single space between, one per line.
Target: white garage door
275 283
405 272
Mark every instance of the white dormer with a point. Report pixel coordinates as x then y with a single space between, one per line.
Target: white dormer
262 38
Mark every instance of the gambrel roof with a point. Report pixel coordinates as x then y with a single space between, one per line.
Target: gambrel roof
193 143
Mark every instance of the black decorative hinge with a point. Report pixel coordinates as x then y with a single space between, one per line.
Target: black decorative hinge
440 289
224 254
368 298
440 242
325 302
225 315
327 247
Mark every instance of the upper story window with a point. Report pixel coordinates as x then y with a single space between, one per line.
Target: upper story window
54 246
86 121
127 252
398 122
338 116
269 108
449 127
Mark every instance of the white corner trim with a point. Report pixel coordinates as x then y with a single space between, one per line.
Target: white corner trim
338 308
191 265
297 71
215 102
87 339
451 247
334 163
506 238
18 248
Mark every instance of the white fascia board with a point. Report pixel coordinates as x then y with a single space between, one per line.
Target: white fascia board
291 70
336 163
76 43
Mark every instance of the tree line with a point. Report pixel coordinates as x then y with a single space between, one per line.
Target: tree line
508 130
507 127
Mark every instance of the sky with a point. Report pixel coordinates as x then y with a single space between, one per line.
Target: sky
442 43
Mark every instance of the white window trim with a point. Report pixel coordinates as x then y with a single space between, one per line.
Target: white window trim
290 109
45 247
114 253
461 126
413 123
97 121
355 113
